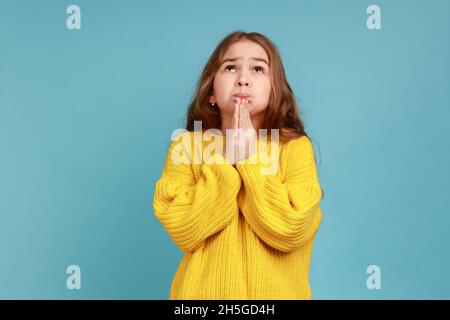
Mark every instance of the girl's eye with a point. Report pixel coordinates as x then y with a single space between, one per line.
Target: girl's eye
260 68
228 67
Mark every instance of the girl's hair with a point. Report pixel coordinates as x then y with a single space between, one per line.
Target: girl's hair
281 112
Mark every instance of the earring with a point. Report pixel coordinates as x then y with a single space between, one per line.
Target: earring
212 104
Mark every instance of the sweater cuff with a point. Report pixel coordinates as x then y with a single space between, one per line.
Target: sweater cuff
254 167
251 173
223 169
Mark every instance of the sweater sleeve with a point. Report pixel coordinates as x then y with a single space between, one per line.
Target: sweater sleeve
284 214
192 207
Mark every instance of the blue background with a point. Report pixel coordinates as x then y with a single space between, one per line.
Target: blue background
86 117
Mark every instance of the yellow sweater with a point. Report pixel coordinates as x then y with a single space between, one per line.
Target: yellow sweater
244 235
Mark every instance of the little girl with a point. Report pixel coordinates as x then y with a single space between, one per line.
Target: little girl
244 234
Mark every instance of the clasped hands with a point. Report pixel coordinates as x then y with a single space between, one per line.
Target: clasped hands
244 137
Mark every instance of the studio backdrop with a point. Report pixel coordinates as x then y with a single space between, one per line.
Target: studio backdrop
91 91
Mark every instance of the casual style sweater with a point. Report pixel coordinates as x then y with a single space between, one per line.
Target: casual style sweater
244 234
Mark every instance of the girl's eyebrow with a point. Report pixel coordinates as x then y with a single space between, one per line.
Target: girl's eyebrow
234 59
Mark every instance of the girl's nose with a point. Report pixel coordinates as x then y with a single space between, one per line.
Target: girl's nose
243 83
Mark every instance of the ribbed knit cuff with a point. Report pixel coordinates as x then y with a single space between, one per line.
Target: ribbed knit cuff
250 170
224 170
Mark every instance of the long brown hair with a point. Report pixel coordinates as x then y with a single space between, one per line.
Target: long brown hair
281 113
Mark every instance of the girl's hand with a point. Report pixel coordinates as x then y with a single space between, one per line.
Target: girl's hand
244 135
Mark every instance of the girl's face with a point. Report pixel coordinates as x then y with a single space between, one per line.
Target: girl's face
243 69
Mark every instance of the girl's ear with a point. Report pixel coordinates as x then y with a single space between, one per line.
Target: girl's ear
212 99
